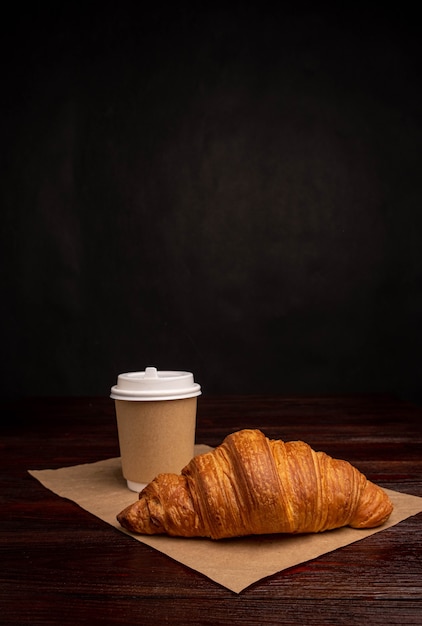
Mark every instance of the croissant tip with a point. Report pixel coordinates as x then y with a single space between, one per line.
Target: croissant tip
123 518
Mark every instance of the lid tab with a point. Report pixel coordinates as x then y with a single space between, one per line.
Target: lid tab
151 372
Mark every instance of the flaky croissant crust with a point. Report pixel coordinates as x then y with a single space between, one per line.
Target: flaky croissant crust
251 485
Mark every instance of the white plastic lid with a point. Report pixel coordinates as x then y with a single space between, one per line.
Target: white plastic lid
155 385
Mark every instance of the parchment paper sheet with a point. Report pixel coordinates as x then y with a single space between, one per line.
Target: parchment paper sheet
236 563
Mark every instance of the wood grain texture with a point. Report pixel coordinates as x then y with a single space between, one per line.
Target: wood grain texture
59 564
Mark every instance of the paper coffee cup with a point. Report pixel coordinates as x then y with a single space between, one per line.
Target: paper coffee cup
156 420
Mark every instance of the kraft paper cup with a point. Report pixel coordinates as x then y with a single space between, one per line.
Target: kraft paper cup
156 421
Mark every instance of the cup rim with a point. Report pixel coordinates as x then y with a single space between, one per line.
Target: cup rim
131 395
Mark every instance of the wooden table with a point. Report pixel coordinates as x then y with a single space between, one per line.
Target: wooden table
61 565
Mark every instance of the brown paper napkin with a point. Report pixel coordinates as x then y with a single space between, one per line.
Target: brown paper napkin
236 563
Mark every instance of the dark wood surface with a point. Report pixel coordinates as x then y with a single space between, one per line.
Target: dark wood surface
61 565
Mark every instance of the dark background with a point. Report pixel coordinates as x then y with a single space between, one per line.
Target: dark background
234 192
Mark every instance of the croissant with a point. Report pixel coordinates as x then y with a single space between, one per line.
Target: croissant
251 485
